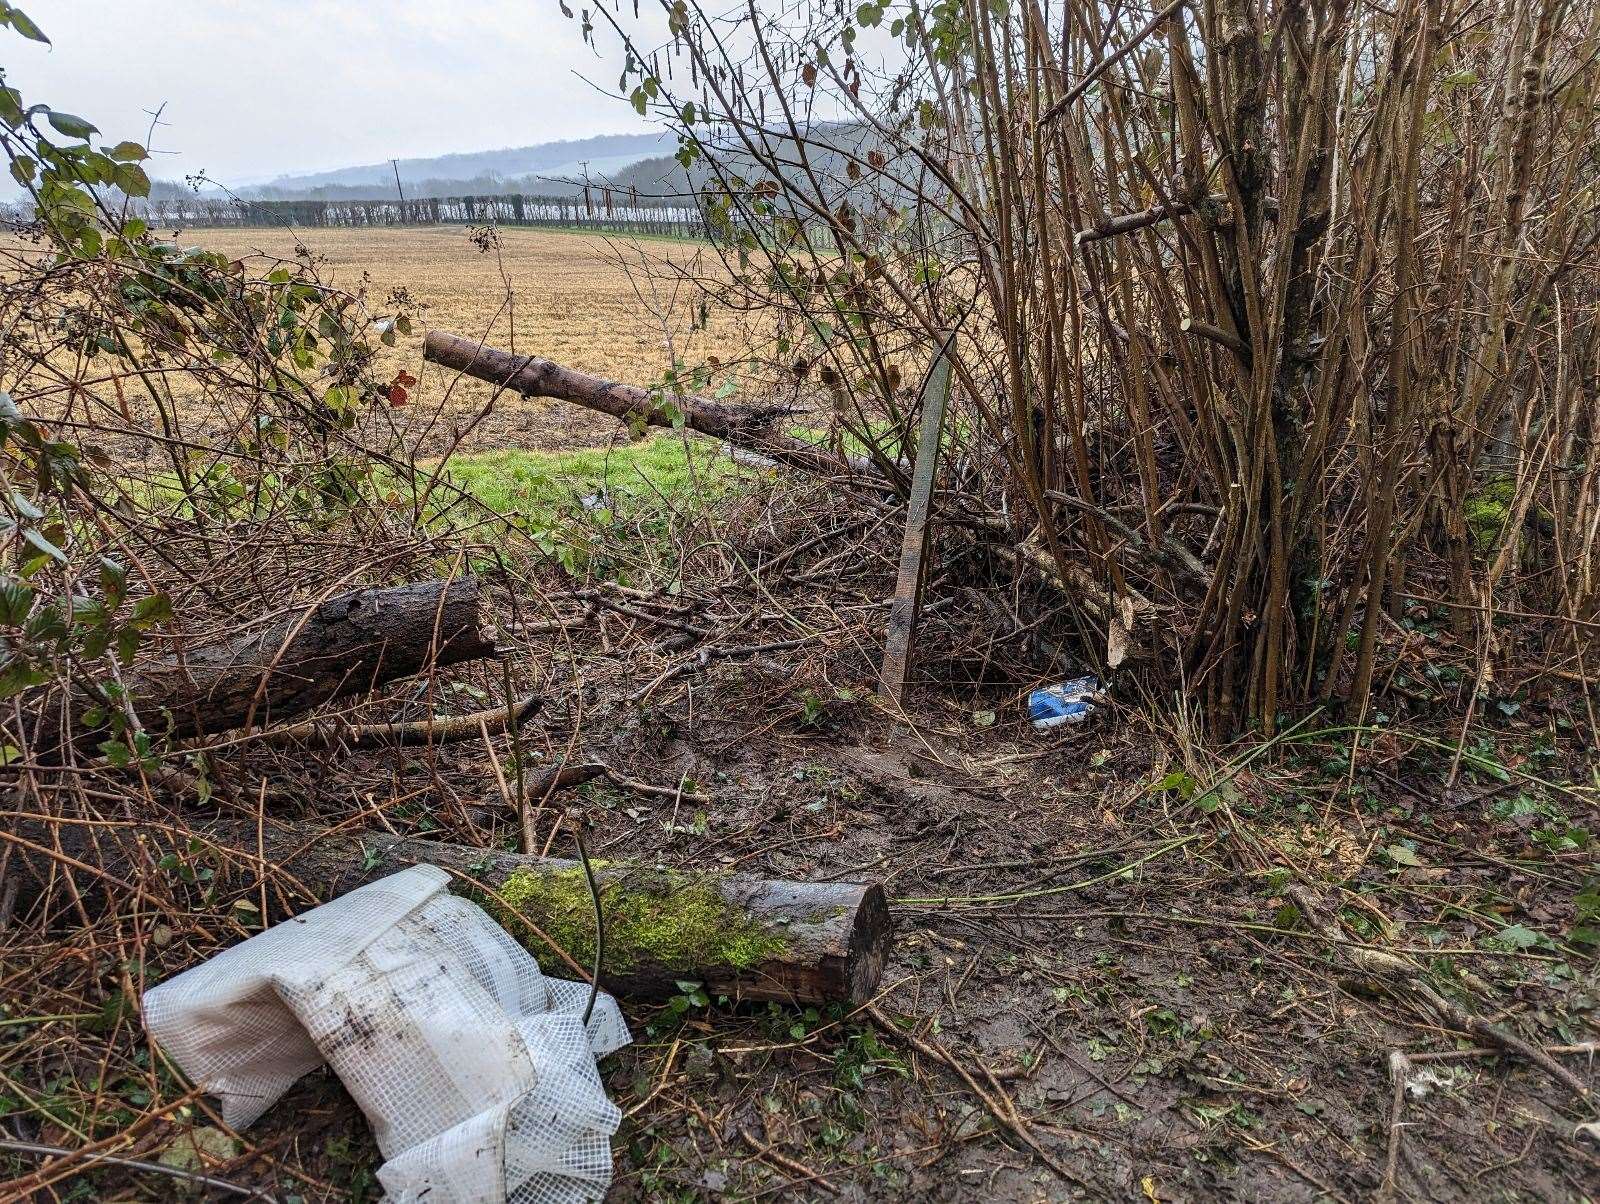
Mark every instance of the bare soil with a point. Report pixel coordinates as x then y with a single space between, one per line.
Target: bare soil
1128 970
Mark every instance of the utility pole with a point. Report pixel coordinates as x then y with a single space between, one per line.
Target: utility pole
395 163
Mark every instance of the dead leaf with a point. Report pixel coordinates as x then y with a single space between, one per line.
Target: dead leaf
1119 632
1116 642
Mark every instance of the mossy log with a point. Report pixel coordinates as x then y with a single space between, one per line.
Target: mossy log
745 937
301 658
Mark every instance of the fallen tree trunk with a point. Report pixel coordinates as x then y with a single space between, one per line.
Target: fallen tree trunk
749 427
350 644
744 937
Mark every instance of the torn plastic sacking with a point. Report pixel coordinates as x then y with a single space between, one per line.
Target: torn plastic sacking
474 1069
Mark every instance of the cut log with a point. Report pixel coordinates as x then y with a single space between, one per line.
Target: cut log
749 427
744 937
350 644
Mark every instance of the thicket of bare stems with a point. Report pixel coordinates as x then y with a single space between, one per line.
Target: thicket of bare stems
1275 319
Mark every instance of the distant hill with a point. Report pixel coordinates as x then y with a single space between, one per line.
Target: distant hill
640 163
489 171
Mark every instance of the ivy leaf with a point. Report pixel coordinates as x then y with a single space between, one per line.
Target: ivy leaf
71 126
1179 783
1587 901
19 676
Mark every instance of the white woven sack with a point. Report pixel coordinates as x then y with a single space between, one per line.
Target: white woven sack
474 1069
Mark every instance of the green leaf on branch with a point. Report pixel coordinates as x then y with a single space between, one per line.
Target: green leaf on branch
71 126
131 179
37 539
113 581
16 600
23 24
151 610
25 506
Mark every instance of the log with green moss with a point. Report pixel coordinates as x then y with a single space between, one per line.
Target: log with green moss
744 937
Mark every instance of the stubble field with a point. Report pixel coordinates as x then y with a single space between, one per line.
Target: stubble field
615 307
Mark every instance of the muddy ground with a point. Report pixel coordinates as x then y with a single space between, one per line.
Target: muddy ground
1125 965
1135 977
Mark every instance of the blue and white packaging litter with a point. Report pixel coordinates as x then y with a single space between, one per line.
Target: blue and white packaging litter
1070 702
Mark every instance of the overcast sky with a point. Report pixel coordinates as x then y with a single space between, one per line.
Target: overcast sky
256 89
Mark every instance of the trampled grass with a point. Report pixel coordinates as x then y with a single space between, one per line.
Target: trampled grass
530 486
599 509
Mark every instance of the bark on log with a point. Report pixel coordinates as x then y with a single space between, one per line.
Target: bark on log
347 645
750 427
744 937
